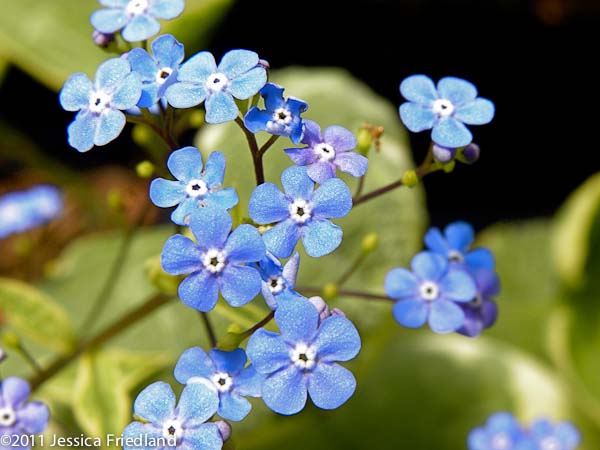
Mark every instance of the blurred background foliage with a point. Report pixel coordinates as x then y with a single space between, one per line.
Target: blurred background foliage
415 388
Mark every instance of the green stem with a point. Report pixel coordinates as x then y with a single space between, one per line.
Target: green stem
254 150
360 187
350 271
168 140
212 338
258 325
267 145
311 290
28 357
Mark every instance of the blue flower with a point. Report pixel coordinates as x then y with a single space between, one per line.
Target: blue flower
546 436
302 359
238 75
429 293
278 281
445 109
158 71
216 262
224 373
501 432
280 116
481 313
137 18
164 425
328 151
100 119
17 416
454 244
194 187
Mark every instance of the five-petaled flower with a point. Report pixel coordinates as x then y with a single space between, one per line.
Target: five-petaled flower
223 372
327 151
158 71
164 425
238 75
136 18
501 432
303 358
429 293
17 416
445 109
216 262
280 117
301 212
193 188
278 281
100 119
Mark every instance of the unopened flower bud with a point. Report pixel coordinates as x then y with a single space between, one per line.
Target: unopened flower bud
443 154
470 153
364 141
102 40
330 291
370 242
141 135
145 169
264 64
11 340
410 178
114 199
224 429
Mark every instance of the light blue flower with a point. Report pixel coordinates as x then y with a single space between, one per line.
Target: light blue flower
164 425
429 293
194 187
278 281
158 71
545 435
445 109
238 75
100 119
224 373
17 416
280 117
301 212
136 18
302 359
501 432
216 263
327 152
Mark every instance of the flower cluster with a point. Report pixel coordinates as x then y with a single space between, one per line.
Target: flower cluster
503 432
450 287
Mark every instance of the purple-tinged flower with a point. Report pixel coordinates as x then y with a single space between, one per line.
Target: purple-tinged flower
280 117
216 262
443 154
100 120
136 18
301 212
501 432
324 310
302 359
166 425
157 71
194 186
17 416
544 435
224 373
278 281
454 244
445 109
328 151
238 75
429 293
481 313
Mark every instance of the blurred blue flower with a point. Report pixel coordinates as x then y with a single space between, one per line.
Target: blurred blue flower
278 281
328 151
158 71
501 432
280 117
301 212
238 75
194 188
136 18
481 313
445 109
454 244
100 119
429 293
164 425
302 359
223 372
216 262
546 436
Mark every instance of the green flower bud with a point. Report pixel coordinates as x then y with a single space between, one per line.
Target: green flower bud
230 341
196 118
11 340
114 199
144 169
370 242
142 135
364 140
410 178
330 291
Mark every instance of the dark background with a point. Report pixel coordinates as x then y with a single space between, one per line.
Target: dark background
533 59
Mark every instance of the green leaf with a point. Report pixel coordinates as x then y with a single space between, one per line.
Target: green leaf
35 315
51 39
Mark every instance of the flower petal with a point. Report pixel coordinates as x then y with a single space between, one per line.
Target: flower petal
282 238
110 125
114 3
268 204
449 132
429 266
248 382
180 255
245 245
233 407
14 391
320 237
417 117
400 283
205 437
229 362
82 130
411 313
273 96
296 183
215 169
168 51
181 214
111 73
108 20
197 404
341 139
193 363
480 258
312 133
457 90
33 417
223 198
220 108
185 164
256 120
460 236
337 340
76 92
321 171
237 62
419 89
166 9
136 433
458 285
332 199
267 351
285 392
142 63
155 403
290 270
198 68
478 112
301 156
200 291
166 193
352 163
128 93
140 28
210 226
567 435
297 320
240 284
436 242
185 95
331 385
488 283
247 84
445 316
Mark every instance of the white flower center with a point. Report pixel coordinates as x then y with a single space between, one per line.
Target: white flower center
216 82
196 188
501 441
324 152
214 260
99 101
282 116
429 291
7 417
163 75
136 7
549 443
276 284
300 210
10 213
443 107
455 256
173 431
222 381
304 356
